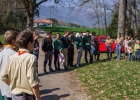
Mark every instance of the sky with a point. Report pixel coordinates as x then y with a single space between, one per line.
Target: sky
54 6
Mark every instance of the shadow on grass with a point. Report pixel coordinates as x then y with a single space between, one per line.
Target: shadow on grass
54 97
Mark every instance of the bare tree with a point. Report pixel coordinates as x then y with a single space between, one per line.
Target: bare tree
134 19
122 17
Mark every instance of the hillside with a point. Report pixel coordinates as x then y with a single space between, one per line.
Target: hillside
66 14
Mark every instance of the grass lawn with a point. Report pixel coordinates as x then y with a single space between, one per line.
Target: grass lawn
111 80
62 29
1 38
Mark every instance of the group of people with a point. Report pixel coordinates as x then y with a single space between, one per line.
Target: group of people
65 45
18 67
19 58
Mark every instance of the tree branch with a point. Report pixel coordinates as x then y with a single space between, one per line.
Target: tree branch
36 5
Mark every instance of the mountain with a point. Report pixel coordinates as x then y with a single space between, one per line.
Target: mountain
65 14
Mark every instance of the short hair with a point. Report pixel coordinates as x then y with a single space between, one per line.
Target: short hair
9 36
93 33
88 31
35 33
24 38
65 32
58 34
70 32
49 32
80 32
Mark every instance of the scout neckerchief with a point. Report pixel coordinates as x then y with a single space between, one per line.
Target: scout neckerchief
9 45
20 52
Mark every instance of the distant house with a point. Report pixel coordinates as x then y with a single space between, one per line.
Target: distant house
42 22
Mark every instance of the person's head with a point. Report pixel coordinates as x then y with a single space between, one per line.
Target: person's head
70 33
93 34
80 34
129 37
25 40
87 32
10 37
126 38
66 33
58 35
35 35
108 36
137 41
49 34
119 35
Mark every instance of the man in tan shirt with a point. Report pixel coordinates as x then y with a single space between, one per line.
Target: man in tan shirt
21 70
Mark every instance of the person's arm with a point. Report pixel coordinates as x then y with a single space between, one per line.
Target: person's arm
5 76
44 45
32 77
36 92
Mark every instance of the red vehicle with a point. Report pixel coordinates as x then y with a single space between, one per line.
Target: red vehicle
102 48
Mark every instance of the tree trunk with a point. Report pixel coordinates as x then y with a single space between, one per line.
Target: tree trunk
122 17
134 19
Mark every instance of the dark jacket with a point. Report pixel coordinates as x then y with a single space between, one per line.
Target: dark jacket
65 42
47 45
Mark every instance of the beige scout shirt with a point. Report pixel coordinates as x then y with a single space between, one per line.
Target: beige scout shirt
109 42
21 72
119 40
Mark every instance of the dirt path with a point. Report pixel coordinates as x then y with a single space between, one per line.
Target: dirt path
60 85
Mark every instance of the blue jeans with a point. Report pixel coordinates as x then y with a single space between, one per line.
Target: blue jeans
118 50
92 50
137 54
129 56
109 53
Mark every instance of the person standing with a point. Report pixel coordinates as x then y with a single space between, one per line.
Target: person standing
86 41
119 46
8 50
66 46
20 71
57 50
92 44
36 45
108 47
71 49
79 45
47 47
97 51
